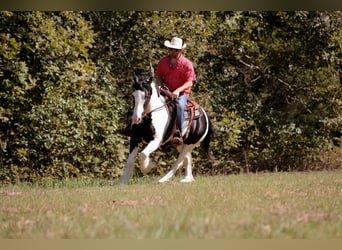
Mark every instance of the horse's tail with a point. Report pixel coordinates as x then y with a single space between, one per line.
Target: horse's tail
207 139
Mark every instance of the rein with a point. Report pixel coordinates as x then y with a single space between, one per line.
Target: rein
146 87
156 109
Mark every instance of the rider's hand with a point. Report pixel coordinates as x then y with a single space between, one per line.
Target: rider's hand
176 93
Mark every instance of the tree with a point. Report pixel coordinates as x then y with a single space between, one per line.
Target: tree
271 82
58 118
277 70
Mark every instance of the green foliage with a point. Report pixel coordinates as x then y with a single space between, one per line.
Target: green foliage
60 118
278 71
270 81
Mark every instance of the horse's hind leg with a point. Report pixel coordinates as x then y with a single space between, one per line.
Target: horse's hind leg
188 169
182 155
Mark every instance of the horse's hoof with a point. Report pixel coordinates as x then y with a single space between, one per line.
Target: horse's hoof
162 181
123 181
148 169
187 180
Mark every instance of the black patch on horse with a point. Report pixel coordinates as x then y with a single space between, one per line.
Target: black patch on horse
143 131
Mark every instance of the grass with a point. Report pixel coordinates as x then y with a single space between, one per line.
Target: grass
272 205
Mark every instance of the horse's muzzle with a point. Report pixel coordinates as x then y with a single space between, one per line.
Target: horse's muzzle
136 120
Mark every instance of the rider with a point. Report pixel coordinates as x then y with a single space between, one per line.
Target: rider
178 74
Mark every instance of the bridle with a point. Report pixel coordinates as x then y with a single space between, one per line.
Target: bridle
148 99
146 87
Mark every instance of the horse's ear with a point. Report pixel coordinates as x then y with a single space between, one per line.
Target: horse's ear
136 79
136 84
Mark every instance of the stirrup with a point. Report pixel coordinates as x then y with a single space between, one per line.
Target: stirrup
177 141
177 138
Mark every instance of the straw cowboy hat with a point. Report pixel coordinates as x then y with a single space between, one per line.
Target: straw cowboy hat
176 43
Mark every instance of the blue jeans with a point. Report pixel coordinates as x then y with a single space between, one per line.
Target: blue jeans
180 111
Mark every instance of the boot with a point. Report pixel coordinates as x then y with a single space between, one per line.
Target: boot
177 138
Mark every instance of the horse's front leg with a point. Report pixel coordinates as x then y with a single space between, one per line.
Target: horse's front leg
129 168
146 164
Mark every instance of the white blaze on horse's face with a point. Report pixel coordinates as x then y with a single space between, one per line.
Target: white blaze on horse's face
139 100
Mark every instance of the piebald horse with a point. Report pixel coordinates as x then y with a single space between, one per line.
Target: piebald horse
152 122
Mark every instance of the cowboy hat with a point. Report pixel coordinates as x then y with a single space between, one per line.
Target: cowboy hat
176 43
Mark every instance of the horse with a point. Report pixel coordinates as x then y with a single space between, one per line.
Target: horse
152 121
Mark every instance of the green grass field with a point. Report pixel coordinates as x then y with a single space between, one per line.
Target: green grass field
272 205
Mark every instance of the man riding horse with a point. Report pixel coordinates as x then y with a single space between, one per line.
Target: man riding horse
177 73
153 118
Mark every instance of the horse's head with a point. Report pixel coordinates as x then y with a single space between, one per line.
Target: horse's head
142 91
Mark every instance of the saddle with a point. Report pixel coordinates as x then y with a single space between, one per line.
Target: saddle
191 112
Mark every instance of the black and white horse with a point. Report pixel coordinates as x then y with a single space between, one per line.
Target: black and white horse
152 122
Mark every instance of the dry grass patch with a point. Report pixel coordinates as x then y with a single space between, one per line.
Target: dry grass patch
277 205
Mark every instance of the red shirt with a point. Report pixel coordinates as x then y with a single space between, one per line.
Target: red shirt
175 76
